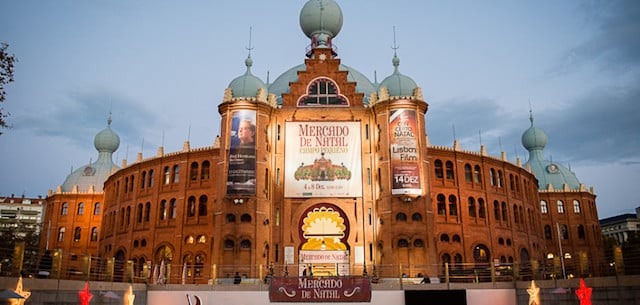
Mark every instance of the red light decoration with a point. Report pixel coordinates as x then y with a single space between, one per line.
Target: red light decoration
584 293
84 295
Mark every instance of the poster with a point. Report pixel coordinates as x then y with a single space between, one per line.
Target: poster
241 176
323 159
405 156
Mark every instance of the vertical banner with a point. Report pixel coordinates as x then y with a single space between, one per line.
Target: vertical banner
405 164
323 159
241 177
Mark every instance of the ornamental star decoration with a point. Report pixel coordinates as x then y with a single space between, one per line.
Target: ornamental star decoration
22 292
584 293
84 295
534 294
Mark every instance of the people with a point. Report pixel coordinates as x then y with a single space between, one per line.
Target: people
237 279
425 280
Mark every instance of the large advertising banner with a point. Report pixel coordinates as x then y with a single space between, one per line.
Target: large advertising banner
405 164
323 159
241 177
320 290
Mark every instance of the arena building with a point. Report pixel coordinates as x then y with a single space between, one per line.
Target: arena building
323 172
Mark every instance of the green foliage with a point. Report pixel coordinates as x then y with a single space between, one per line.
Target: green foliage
6 76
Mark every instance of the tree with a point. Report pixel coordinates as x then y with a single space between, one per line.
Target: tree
6 76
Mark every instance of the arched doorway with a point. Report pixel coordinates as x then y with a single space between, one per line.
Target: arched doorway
324 230
119 266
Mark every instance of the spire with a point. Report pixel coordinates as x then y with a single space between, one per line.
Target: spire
395 61
249 62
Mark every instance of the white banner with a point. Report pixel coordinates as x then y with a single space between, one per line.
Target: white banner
328 256
323 159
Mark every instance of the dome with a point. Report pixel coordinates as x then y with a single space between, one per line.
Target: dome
246 85
321 17
398 84
547 172
281 84
94 174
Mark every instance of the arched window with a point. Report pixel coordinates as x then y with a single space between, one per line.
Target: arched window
323 91
416 217
576 207
191 206
444 238
143 179
201 239
468 175
501 241
472 207
477 175
189 240
401 217
193 173
229 244
231 218
202 206
482 212
150 178
453 205
446 259
147 211
560 207
176 173
199 264
167 175
481 254
581 233
496 210
128 216
173 212
516 217
163 210
442 209
543 207
64 210
245 218
457 261
139 213
96 208
564 231
80 208
94 234
500 181
61 231
204 174
505 212
438 169
245 244
456 238
449 169
403 243
418 243
547 232
492 177
512 183
77 233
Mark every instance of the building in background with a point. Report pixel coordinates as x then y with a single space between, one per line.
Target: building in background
323 172
20 226
620 227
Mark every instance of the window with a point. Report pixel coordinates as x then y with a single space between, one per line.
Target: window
322 91
543 207
418 243
442 210
229 244
77 233
449 167
501 241
204 173
173 213
482 213
189 240
512 183
163 210
416 217
468 175
139 213
516 217
147 211
492 177
80 208
547 232
505 212
202 206
403 243
456 238
61 234
438 168
401 217
128 216
176 173
444 238
496 210
581 233
167 175
193 173
94 234
560 207
64 210
245 218
564 232
191 206
150 178
500 181
143 179
201 239
472 207
477 176
576 207
481 254
245 244
231 218
96 208
453 205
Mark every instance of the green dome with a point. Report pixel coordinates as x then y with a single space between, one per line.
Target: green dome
246 85
398 84
321 17
534 138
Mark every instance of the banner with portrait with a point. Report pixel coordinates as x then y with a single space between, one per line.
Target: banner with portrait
241 175
323 159
405 156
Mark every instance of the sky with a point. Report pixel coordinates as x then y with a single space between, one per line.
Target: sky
161 67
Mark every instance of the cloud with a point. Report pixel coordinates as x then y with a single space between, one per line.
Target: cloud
615 45
79 116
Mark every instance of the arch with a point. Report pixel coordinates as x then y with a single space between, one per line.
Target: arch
80 210
416 217
94 234
477 174
449 170
468 173
442 209
245 244
77 234
543 207
453 205
418 243
401 217
456 238
202 205
96 208
524 255
191 206
164 252
193 172
245 218
204 173
472 207
402 243
482 211
547 232
444 237
438 169
64 209
481 254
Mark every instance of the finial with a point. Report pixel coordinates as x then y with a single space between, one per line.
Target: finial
249 48
109 119
480 136
189 133
530 113
396 60
500 143
375 76
142 145
162 138
249 62
453 128
267 77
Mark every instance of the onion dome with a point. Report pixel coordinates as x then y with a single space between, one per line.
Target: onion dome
94 174
397 83
246 85
546 171
321 20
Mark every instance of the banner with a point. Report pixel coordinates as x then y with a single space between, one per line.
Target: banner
405 156
323 159
241 177
325 289
321 257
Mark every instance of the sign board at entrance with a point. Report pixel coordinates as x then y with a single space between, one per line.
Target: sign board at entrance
326 289
319 257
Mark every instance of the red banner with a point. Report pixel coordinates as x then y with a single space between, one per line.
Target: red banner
326 289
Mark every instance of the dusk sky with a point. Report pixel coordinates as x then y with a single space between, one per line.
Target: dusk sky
161 68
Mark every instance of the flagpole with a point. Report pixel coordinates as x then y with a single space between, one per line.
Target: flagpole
564 272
